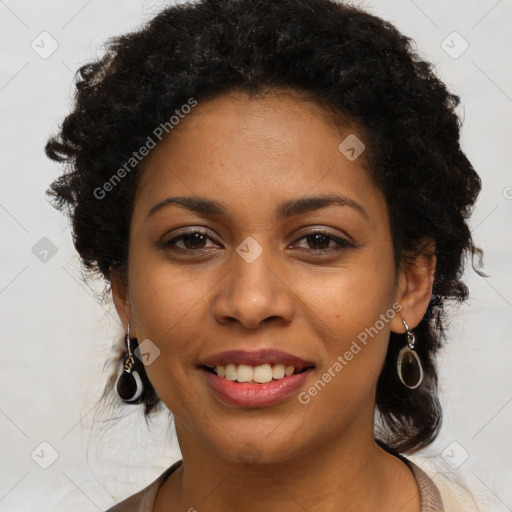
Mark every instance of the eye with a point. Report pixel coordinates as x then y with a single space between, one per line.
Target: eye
193 241
322 239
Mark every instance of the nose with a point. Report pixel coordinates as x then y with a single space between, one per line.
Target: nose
254 293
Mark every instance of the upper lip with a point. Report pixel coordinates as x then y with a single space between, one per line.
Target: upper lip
255 358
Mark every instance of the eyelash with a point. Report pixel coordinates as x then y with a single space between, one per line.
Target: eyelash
342 243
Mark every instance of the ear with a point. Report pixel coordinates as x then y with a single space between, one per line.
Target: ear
414 289
120 297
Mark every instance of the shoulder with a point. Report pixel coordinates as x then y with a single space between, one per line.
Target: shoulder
431 499
143 500
456 491
133 503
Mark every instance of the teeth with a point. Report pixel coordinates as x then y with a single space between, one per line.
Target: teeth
230 371
289 371
261 374
244 373
278 371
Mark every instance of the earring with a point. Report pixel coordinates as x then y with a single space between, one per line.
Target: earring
408 365
129 385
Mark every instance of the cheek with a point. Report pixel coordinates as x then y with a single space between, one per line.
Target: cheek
351 310
168 304
354 340
370 285
349 298
169 309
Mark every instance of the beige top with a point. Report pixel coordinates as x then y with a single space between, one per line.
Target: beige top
144 500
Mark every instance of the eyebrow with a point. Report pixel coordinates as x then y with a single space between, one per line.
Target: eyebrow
284 210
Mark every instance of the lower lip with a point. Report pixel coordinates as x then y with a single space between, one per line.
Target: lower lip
244 394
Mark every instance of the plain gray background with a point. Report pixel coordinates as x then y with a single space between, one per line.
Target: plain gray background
56 337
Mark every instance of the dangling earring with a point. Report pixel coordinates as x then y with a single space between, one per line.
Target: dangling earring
129 385
408 365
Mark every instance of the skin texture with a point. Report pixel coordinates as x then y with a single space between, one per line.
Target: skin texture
252 154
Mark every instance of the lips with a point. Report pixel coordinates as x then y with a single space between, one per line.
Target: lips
258 378
250 395
255 358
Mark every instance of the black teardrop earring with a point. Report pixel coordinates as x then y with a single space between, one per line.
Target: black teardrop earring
129 385
408 364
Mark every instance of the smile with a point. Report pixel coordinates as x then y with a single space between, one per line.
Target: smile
260 374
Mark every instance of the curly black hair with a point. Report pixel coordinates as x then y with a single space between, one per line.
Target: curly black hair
355 64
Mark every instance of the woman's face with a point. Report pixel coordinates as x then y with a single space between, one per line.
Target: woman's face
256 279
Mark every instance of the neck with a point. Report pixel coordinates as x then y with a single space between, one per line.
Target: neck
349 474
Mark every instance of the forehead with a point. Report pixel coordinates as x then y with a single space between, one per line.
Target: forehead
255 151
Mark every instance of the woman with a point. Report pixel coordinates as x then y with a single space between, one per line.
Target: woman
276 197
